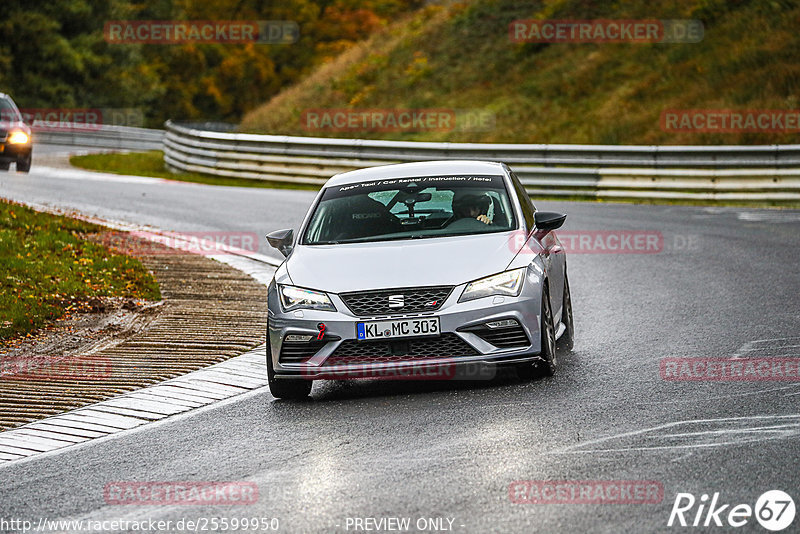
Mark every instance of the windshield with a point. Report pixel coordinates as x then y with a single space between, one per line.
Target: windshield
411 208
8 112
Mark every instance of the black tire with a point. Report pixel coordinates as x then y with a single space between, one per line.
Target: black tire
286 388
567 339
4 166
546 366
24 165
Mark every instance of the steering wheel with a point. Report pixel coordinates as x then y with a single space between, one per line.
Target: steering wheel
468 223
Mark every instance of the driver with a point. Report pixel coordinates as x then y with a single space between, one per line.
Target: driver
471 206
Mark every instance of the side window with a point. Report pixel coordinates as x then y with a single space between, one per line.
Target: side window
525 201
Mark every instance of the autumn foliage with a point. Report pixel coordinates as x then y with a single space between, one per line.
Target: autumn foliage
54 55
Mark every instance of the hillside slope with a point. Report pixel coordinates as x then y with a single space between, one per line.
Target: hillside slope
461 57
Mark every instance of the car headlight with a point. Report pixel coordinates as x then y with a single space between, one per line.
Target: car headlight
508 284
18 138
296 298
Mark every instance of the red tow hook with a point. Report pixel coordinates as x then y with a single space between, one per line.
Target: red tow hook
322 329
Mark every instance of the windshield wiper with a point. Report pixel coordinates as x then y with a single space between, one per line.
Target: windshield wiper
377 239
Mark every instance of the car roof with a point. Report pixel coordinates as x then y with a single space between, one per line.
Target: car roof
424 168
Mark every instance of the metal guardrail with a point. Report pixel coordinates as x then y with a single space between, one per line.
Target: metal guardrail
101 136
739 173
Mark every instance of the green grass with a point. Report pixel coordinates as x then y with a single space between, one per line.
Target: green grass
459 56
152 164
49 268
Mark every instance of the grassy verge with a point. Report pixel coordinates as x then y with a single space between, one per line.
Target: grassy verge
48 269
152 164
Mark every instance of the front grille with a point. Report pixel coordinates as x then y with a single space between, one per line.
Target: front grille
503 338
299 351
415 300
447 345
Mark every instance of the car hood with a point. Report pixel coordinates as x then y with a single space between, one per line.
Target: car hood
406 263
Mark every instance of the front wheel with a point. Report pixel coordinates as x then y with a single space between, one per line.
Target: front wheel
287 388
567 339
4 166
546 365
24 165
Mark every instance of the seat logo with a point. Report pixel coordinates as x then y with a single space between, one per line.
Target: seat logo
396 301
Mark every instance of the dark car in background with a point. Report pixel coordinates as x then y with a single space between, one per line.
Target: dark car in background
15 137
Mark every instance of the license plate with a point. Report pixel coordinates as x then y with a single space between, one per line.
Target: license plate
427 326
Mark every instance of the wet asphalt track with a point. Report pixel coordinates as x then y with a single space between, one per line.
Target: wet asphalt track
724 278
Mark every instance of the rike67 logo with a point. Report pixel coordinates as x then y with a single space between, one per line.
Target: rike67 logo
774 510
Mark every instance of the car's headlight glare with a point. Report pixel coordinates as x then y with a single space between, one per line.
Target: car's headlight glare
18 138
508 284
296 298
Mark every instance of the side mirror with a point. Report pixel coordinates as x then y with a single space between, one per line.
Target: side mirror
548 220
282 240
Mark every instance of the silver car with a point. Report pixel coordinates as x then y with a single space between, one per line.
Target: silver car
413 271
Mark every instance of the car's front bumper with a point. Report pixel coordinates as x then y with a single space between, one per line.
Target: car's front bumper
10 153
479 361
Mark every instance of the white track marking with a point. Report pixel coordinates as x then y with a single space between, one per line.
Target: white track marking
777 347
772 216
77 174
710 434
